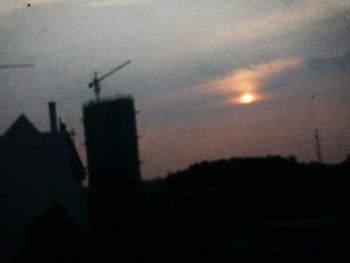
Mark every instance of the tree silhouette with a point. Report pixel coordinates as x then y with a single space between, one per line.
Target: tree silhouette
54 237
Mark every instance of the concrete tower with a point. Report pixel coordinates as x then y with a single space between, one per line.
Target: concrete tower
113 158
111 141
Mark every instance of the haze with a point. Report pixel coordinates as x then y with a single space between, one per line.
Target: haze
192 61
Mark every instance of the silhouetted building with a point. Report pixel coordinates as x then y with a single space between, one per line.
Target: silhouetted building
111 141
36 170
113 157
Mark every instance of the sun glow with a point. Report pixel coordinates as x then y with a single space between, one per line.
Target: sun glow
247 98
246 85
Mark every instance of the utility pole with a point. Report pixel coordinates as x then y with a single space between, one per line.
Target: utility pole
318 146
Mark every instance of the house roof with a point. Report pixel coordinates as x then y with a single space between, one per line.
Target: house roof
22 126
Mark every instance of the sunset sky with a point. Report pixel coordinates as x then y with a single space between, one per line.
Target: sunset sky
211 78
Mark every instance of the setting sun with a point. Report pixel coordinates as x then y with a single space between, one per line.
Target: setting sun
247 98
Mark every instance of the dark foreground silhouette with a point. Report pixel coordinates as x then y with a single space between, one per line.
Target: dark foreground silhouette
239 210
54 237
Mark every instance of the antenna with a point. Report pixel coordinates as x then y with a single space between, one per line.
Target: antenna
95 84
318 146
72 134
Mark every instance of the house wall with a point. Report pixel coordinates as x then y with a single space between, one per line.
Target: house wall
35 171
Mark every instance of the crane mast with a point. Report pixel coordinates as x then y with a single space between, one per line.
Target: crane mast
95 83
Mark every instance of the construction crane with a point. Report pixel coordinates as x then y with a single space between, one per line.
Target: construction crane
6 66
95 84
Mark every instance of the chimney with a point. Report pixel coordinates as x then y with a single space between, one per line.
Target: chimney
53 117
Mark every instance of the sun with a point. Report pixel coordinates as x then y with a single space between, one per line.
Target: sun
246 98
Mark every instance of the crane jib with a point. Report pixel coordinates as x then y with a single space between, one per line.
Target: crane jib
114 70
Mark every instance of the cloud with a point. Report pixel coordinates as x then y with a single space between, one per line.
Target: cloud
250 80
11 5
294 16
240 86
102 3
312 10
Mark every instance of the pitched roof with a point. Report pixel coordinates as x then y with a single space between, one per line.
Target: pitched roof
22 126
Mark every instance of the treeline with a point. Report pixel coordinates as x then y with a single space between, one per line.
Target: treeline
267 187
197 215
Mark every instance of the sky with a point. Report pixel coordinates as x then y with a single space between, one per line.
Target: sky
212 79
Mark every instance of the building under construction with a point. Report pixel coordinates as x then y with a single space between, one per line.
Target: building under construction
111 141
113 158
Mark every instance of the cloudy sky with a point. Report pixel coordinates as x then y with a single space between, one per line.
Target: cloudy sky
211 78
